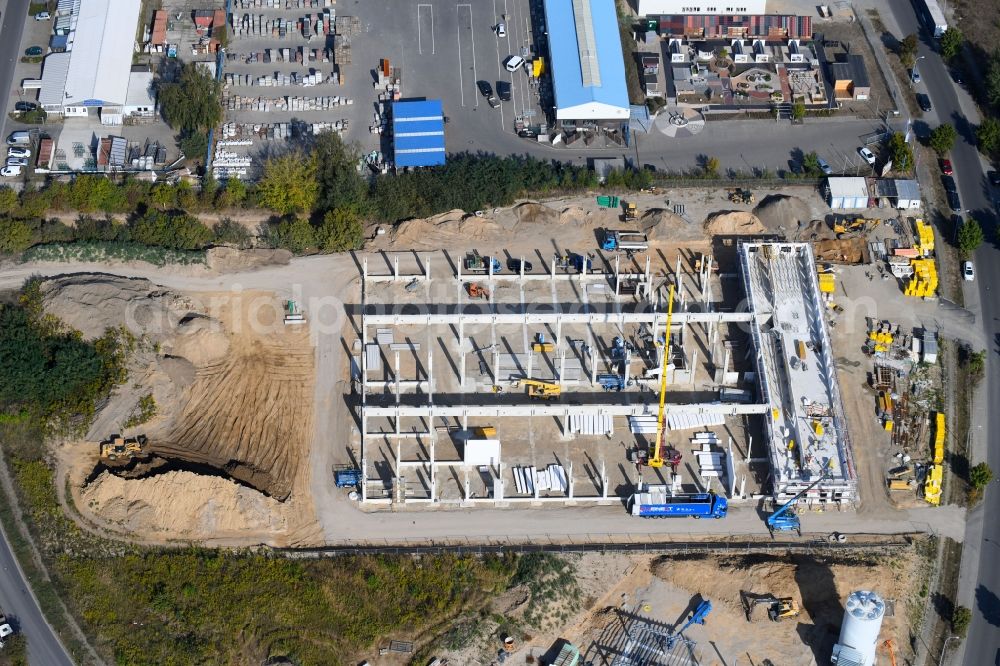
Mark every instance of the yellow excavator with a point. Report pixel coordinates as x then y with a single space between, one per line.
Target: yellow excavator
656 451
119 447
542 390
856 227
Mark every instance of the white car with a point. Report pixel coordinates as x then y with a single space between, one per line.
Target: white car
823 166
17 151
514 63
867 154
16 161
968 272
43 16
10 171
501 30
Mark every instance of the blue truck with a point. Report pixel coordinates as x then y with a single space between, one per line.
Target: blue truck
347 477
627 241
657 502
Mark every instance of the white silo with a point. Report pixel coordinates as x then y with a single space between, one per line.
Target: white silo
859 633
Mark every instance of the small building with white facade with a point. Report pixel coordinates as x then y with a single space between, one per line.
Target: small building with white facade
92 75
588 69
847 193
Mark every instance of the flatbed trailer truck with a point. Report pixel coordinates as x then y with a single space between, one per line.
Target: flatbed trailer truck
628 241
657 502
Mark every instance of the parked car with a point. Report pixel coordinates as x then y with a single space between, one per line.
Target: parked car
10 171
946 167
43 16
514 265
868 155
514 63
485 89
34 51
956 76
823 166
952 192
18 137
915 76
994 177
25 106
924 102
949 183
503 90
16 151
968 271
501 30
17 161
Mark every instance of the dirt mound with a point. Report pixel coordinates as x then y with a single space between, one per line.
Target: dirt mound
729 223
441 230
199 342
662 225
181 504
782 214
232 260
92 303
536 213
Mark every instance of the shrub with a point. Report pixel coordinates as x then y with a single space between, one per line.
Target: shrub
980 476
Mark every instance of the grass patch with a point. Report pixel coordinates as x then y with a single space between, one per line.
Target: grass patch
98 251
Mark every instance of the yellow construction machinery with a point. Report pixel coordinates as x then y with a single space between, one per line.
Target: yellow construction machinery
741 195
631 212
778 608
542 390
845 228
542 345
477 290
656 453
118 447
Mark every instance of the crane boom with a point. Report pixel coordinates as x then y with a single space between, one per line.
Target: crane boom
656 460
779 521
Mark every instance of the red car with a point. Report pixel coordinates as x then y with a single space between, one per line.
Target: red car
946 167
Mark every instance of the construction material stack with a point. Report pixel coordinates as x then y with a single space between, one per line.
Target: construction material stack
924 282
925 238
935 473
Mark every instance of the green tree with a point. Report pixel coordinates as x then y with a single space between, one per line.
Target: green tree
193 144
295 234
907 50
193 103
186 197
234 193
977 363
182 232
943 138
900 153
341 230
8 200
798 110
980 476
810 164
711 167
289 184
988 136
164 195
15 236
230 232
340 184
970 236
993 78
951 43
961 617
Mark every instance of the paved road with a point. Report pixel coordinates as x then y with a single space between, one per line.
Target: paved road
980 581
44 647
13 14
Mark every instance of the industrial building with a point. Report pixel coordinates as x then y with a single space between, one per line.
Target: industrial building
806 425
418 133
467 400
655 7
93 74
847 192
588 71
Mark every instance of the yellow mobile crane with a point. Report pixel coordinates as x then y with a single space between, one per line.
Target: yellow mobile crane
656 455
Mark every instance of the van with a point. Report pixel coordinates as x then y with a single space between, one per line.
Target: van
20 137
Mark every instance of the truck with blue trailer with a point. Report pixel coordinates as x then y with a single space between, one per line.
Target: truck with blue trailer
657 502
626 241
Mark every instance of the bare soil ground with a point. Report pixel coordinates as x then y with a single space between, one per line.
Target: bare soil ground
234 392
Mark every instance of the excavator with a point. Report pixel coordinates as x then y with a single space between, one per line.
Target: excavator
778 608
631 212
856 227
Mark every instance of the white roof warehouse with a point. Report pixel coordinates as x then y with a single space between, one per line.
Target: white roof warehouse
94 71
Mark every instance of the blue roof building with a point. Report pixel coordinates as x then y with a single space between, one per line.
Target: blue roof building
588 69
418 133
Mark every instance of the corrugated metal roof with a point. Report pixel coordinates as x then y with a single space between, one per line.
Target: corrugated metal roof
848 187
588 68
55 69
116 156
102 52
418 133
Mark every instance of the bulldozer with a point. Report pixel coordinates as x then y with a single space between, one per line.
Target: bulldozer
118 447
542 390
631 212
778 608
741 195
846 228
476 290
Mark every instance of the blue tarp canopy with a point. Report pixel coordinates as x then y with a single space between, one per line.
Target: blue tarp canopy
418 133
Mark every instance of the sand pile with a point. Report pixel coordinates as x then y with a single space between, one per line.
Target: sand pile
662 225
782 214
183 505
441 230
534 213
232 260
93 303
730 223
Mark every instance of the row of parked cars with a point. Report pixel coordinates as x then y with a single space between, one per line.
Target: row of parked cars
18 152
